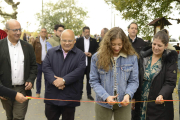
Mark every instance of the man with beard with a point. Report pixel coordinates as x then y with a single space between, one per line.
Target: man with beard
55 40
89 46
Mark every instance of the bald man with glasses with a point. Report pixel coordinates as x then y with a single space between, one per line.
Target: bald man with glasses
63 67
18 69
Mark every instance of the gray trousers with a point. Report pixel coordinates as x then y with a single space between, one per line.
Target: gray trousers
15 110
120 113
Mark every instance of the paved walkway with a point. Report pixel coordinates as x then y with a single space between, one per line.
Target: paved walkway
84 112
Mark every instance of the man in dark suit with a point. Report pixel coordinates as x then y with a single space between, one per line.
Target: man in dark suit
89 46
18 69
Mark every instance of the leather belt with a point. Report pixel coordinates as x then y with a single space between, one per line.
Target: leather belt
14 86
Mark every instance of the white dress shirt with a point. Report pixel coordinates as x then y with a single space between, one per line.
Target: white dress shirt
17 63
43 44
134 39
86 48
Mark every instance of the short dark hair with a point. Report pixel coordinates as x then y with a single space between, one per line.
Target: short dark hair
86 27
162 36
131 24
57 26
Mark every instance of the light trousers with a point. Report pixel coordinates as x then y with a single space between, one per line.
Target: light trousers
120 113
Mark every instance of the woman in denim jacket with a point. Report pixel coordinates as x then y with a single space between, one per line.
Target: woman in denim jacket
114 76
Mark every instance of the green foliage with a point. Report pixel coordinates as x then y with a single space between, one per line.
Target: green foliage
144 11
63 12
8 16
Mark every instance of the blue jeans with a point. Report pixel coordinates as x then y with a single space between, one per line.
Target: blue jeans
39 77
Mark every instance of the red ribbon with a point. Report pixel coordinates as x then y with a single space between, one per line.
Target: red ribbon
95 101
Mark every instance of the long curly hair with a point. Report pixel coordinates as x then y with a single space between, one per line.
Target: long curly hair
105 52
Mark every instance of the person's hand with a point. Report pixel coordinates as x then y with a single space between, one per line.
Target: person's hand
20 98
86 53
158 100
3 98
125 101
111 99
28 86
58 82
89 54
133 104
61 87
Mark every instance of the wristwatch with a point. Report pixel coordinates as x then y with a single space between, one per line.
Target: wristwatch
64 81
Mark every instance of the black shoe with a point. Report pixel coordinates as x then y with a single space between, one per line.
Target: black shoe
90 97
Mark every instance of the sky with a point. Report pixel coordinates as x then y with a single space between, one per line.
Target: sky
100 15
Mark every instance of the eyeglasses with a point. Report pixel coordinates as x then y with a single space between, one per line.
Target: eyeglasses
16 30
69 41
44 31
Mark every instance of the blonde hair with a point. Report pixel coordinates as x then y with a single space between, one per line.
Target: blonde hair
30 40
105 52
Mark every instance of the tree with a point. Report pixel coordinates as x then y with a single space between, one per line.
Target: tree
63 12
144 11
13 15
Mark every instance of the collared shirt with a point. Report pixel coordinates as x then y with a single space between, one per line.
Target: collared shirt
64 53
134 39
17 63
86 48
43 44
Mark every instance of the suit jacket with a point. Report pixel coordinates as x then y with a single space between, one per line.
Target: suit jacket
93 46
30 66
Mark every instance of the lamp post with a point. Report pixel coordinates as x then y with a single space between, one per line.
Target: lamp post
42 15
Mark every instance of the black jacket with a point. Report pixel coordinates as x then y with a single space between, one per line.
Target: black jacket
138 44
30 66
6 92
93 46
163 84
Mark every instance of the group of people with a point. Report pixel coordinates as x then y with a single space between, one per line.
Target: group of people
119 68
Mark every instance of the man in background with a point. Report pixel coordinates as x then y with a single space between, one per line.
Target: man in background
137 43
89 46
40 50
55 40
103 32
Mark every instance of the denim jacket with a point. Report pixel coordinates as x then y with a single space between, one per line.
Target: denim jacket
102 82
